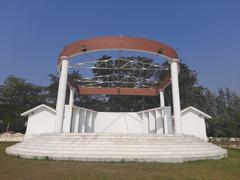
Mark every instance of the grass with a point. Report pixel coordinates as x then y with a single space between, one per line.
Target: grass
18 168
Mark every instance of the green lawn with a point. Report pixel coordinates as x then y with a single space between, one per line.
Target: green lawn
18 168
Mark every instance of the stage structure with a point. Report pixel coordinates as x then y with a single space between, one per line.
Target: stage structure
75 133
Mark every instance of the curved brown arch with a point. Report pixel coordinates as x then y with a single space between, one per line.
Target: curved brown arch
121 43
118 42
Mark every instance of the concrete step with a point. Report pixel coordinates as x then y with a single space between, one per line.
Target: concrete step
95 153
109 157
156 146
114 136
117 144
61 141
113 140
122 149
114 147
99 145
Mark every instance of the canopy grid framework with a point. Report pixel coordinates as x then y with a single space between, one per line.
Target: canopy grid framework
119 74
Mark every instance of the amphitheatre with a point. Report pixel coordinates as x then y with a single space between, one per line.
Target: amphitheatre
160 134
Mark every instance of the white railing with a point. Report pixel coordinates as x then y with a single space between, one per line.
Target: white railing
81 120
157 120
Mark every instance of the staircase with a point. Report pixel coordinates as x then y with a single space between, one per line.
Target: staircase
117 147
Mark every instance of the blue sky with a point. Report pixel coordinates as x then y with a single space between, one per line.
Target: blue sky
205 32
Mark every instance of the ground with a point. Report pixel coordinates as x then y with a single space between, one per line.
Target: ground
18 168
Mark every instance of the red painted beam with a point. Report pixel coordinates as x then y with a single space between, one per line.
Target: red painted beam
117 42
119 91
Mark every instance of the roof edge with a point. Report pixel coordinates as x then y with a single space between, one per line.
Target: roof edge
196 110
37 107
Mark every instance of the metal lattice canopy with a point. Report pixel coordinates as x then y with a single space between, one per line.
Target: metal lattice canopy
134 72
126 68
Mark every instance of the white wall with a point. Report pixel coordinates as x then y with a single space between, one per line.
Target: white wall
118 122
83 120
194 124
41 120
86 120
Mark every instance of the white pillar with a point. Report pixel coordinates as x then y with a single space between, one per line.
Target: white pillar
62 86
162 105
162 101
71 97
70 108
145 122
152 122
165 122
159 121
76 123
82 120
71 102
176 97
88 122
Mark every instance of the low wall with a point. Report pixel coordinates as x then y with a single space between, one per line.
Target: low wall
227 142
224 139
16 137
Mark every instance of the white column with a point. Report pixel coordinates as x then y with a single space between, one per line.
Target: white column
162 105
88 122
165 122
71 102
176 97
159 121
145 122
76 122
82 120
152 122
67 119
71 97
62 86
162 101
70 113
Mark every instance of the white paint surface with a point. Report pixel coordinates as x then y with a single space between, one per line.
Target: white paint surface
118 122
86 120
67 118
176 96
162 100
193 123
62 86
41 120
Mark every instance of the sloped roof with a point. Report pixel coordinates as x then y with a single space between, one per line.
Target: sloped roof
190 108
36 108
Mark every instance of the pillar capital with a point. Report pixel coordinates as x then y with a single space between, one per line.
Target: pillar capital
174 60
64 58
72 88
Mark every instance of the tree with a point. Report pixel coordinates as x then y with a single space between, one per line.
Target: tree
17 96
52 90
226 120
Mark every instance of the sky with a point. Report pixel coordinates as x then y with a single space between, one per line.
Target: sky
206 33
